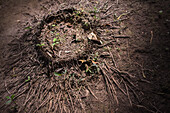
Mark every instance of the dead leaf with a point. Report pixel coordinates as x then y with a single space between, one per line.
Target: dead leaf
82 61
93 37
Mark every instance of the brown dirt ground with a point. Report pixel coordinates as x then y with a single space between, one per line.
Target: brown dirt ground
146 54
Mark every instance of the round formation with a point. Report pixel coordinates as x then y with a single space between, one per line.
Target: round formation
64 35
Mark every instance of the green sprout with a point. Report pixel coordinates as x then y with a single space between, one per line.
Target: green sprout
77 13
95 10
55 41
28 79
118 49
53 25
10 98
86 24
40 45
57 74
57 34
29 27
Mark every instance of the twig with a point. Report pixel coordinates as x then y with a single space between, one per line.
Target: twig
110 42
30 96
50 105
62 106
118 86
117 2
112 91
92 92
42 104
108 8
130 101
80 101
107 15
141 106
134 93
151 37
116 83
156 108
6 88
20 93
113 60
121 72
120 36
57 99
101 8
71 101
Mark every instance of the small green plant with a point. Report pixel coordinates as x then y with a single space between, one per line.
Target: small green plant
55 41
95 16
60 74
77 13
29 27
93 68
10 98
57 74
28 79
91 65
53 25
118 49
86 24
40 45
57 34
95 10
96 55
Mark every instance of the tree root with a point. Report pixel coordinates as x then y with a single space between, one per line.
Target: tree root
59 86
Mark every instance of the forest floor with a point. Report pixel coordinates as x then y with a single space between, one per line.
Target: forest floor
127 73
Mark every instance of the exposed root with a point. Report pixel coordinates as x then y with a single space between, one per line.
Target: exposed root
92 93
57 76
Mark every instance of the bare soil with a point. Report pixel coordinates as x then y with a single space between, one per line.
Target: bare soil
127 73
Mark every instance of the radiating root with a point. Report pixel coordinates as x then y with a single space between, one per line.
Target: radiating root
109 85
92 92
100 46
114 81
56 102
50 105
71 100
130 101
80 101
25 89
141 106
66 89
28 97
102 6
43 103
110 80
135 94
6 88
113 60
108 8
